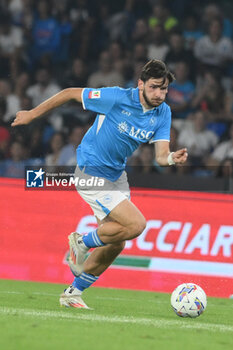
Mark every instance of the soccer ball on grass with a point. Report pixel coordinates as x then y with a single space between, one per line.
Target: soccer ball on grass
188 300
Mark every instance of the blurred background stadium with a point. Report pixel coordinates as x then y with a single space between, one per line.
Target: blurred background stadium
46 46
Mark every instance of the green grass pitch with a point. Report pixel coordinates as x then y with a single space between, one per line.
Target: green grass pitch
31 318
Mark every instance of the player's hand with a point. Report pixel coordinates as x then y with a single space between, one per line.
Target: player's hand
180 156
22 118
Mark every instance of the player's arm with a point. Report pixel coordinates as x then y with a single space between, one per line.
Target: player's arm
26 117
165 157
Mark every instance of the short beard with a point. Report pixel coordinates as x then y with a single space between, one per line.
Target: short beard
149 104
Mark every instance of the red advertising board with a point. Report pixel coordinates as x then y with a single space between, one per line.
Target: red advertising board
188 238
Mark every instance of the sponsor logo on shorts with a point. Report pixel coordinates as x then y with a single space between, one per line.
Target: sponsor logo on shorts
107 199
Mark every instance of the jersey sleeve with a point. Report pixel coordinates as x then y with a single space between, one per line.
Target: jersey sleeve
163 131
99 100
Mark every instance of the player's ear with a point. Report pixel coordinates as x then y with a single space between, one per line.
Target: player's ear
140 84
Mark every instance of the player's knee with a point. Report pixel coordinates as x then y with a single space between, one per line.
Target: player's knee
140 226
137 228
118 247
121 245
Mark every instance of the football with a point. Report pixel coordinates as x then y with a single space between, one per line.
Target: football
188 300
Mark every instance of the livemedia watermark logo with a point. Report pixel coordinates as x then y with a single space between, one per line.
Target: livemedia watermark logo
35 179
45 179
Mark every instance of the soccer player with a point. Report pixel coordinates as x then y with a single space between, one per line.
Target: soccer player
125 119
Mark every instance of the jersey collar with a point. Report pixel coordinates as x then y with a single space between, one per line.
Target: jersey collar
135 96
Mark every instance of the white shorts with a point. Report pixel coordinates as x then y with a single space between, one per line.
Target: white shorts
103 199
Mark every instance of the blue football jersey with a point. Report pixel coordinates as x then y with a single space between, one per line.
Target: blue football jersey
119 128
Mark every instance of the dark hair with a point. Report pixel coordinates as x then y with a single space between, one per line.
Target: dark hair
156 69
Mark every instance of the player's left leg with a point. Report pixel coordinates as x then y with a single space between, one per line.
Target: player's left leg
127 222
103 203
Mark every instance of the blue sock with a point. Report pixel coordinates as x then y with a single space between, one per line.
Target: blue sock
84 281
92 240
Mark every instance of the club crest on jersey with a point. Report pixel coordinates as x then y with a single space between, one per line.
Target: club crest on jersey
94 94
152 120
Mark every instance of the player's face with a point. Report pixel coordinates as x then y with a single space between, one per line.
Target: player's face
153 92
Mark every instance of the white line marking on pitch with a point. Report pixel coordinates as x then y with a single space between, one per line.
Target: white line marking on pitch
106 298
33 293
158 323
